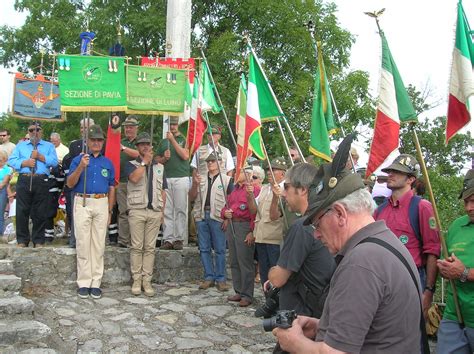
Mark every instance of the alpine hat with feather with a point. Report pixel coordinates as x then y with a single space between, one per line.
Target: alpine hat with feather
332 182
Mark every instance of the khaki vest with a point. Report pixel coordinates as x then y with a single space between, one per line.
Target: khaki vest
202 154
217 198
137 193
266 230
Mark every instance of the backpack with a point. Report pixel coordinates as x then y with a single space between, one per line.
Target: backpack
413 214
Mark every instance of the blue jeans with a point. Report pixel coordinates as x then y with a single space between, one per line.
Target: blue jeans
268 255
211 237
3 204
454 339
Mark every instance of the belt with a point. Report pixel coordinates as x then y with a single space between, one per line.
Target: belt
207 208
240 220
34 174
94 196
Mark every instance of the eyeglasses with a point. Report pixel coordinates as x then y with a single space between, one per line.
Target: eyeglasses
315 225
254 177
31 130
211 161
3 135
286 186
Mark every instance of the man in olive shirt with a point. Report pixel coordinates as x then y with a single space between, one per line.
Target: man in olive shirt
128 153
172 153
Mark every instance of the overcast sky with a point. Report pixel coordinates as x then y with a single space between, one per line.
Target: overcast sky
420 34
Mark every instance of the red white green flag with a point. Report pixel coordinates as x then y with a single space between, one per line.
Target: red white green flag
394 106
461 85
202 100
243 151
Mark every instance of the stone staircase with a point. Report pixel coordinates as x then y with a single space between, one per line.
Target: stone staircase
18 328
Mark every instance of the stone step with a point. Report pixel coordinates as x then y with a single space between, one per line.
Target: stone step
16 332
6 266
15 305
9 282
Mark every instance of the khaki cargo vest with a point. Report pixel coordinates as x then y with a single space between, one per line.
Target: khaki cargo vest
266 230
137 193
217 198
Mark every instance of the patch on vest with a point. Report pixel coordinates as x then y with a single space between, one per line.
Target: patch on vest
104 172
432 223
220 186
403 239
243 206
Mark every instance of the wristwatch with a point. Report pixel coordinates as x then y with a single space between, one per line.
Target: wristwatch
142 164
464 275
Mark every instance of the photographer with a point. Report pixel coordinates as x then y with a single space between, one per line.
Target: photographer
374 302
305 266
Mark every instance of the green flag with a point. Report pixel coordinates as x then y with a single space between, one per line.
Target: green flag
88 83
155 90
322 121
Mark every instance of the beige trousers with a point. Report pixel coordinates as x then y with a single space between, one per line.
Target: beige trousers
90 225
123 223
144 228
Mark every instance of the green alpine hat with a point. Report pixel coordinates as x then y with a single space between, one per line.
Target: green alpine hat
143 138
468 185
216 130
131 121
95 132
332 182
404 163
212 157
173 120
278 163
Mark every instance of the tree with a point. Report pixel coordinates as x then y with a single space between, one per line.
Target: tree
277 30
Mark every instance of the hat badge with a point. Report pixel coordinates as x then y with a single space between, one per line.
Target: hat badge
332 182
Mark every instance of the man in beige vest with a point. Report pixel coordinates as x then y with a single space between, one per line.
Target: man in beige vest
226 163
269 224
208 193
145 198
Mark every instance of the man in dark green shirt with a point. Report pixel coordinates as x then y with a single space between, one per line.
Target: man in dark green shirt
128 153
174 155
459 266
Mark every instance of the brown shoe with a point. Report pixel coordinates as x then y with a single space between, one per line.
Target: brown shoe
206 284
38 245
244 302
222 286
235 297
167 246
21 245
178 245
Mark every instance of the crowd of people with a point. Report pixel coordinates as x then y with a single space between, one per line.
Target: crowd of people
356 258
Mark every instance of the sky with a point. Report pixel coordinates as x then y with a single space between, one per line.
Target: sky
420 34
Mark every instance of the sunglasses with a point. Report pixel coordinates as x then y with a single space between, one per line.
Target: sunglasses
31 130
3 135
254 177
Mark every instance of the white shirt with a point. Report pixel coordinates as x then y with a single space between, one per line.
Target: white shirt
62 150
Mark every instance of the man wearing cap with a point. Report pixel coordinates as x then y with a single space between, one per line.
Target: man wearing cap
75 148
172 153
226 163
423 243
145 200
269 224
32 159
305 266
459 266
128 153
373 305
209 199
92 211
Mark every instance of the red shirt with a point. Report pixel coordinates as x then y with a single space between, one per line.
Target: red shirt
397 219
237 201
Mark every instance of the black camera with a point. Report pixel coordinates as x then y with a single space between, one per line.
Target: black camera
283 319
271 304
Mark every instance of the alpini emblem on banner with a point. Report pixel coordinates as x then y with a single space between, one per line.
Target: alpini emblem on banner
92 73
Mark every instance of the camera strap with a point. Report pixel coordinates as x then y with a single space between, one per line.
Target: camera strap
424 337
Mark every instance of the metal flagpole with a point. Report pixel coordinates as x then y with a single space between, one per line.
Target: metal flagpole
220 101
279 107
85 138
438 221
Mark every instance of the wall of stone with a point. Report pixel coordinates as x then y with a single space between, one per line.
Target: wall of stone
51 267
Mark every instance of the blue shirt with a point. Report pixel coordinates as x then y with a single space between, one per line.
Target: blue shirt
23 152
5 171
100 175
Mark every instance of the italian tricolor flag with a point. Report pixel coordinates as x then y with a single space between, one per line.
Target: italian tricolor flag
394 106
461 85
201 101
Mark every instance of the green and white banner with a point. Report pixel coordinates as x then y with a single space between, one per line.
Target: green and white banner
91 83
155 90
